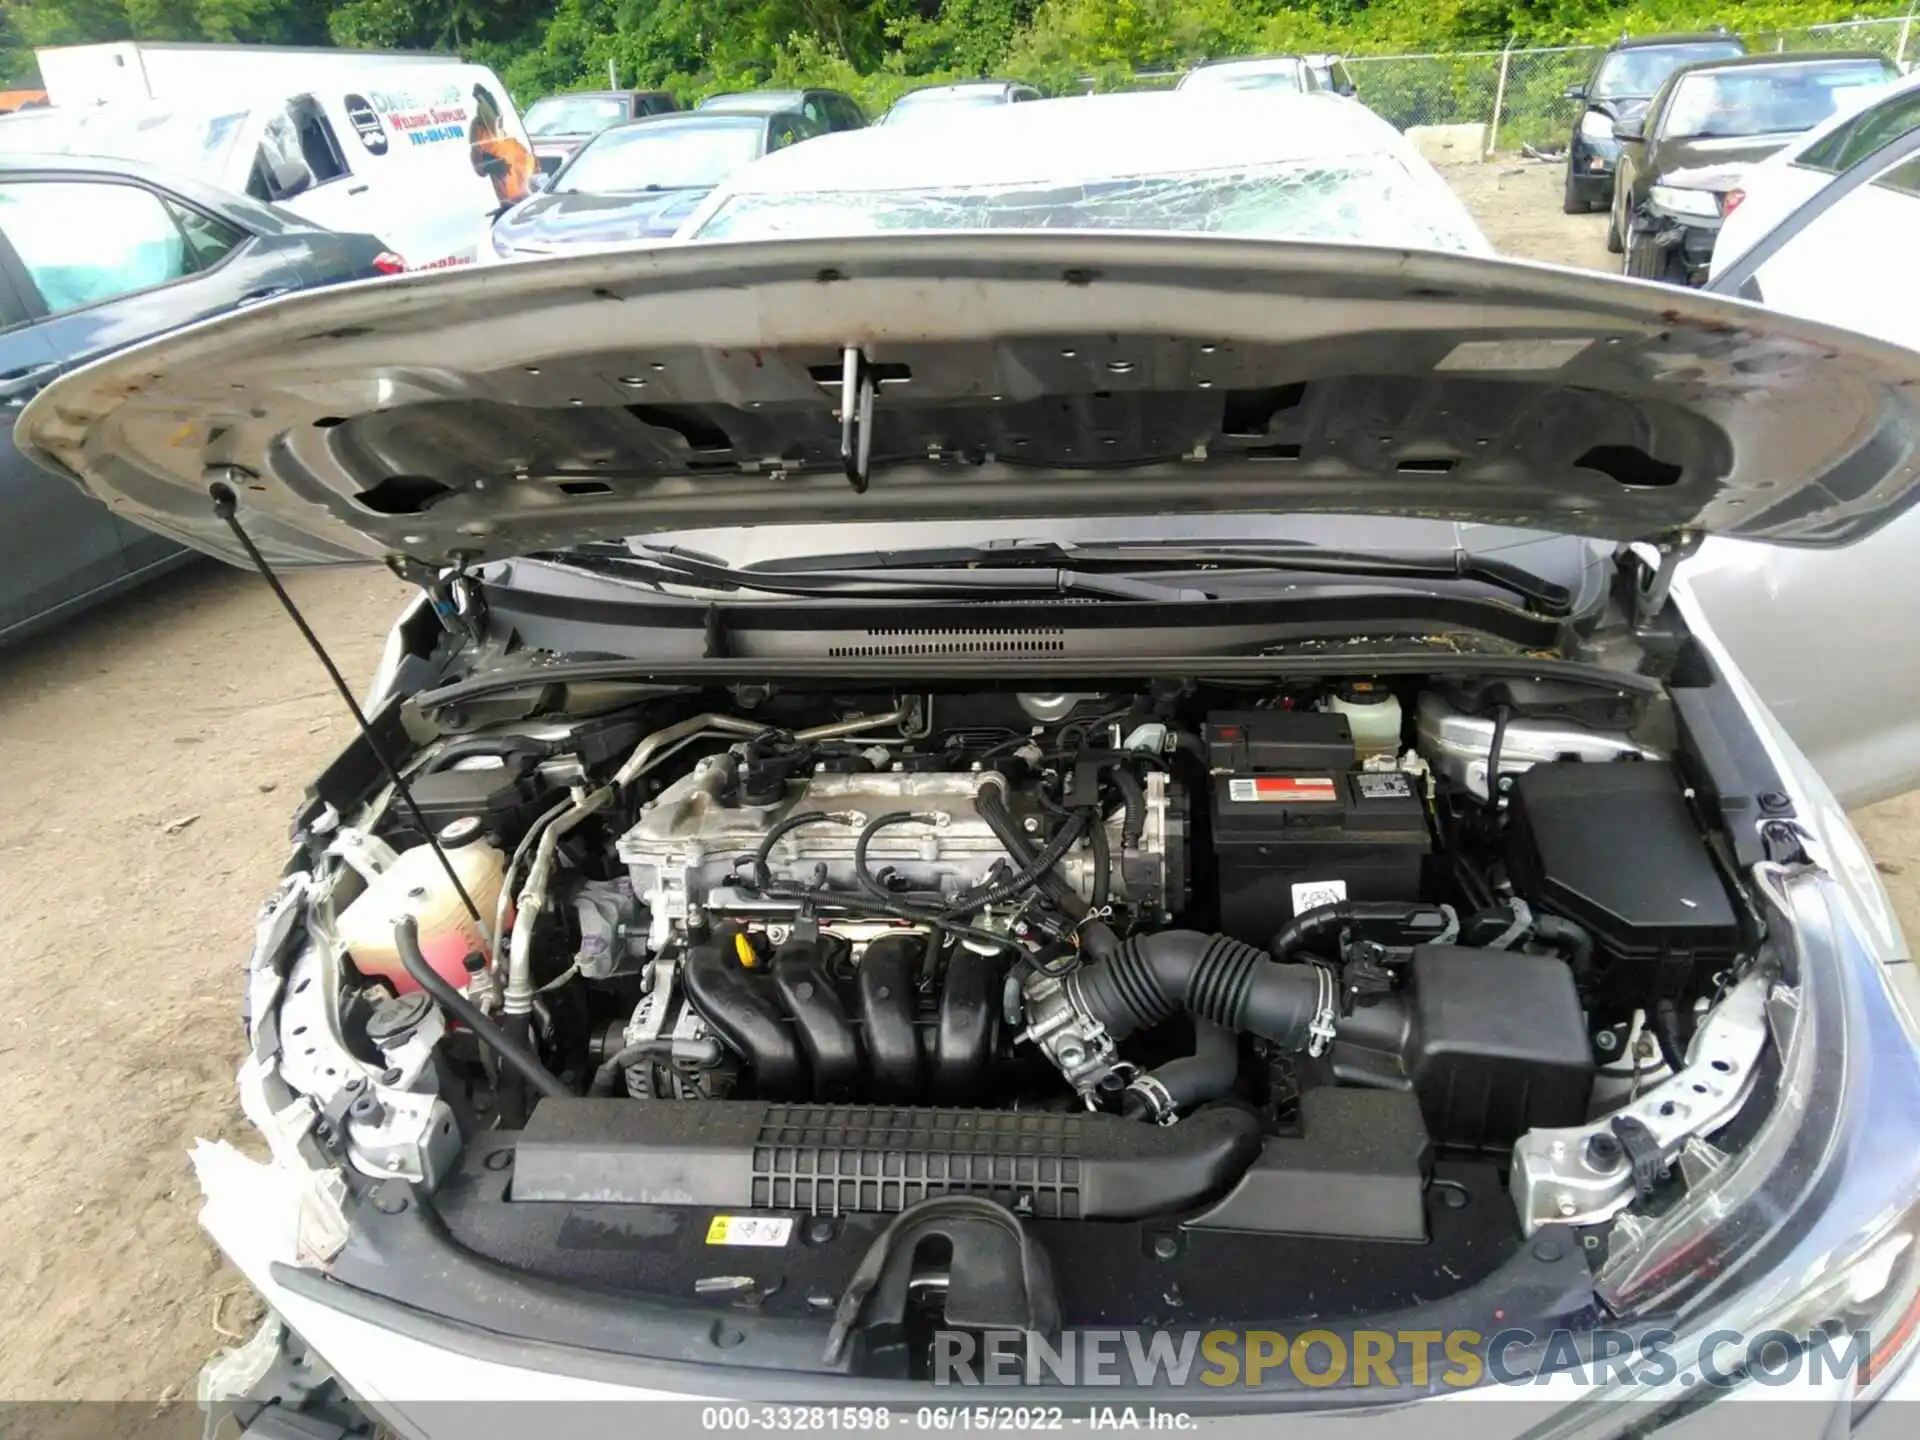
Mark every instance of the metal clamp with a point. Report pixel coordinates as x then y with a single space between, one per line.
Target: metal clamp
1325 1014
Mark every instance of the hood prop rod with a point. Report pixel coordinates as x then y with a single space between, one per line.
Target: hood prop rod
226 506
856 417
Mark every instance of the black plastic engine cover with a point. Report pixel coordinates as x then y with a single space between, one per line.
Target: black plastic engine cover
860 1159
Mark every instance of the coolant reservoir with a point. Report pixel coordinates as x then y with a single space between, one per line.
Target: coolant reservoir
414 884
1373 715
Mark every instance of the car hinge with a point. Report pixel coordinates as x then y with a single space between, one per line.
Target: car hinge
453 593
856 417
1654 582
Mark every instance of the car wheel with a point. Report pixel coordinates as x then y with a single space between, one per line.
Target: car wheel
1648 261
1573 200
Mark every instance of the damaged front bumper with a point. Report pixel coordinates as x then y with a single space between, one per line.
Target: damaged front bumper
1689 239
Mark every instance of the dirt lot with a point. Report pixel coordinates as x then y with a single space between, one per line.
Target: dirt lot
154 750
1517 203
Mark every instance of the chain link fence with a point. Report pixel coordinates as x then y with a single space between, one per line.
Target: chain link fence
1518 97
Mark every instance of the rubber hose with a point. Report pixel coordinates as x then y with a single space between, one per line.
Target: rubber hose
1494 745
1206 1074
1573 940
612 1069
1325 922
1102 862
406 939
1027 875
1133 796
762 876
864 877
1212 977
1666 1034
993 809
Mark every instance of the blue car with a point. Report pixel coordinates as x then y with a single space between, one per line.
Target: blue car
95 255
638 181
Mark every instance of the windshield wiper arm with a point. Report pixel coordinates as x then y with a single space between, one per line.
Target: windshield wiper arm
670 567
1542 596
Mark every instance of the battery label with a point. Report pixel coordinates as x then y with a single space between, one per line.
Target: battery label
1319 788
768 1230
1385 785
1312 894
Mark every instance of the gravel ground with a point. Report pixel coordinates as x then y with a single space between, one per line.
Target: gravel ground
156 748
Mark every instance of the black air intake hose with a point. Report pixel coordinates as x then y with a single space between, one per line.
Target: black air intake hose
1206 1074
1212 977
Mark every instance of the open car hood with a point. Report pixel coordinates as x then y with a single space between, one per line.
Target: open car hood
482 414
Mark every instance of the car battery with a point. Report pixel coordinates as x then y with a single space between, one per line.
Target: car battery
1297 824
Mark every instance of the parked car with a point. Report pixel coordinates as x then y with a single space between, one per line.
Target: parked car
1266 72
640 180
1777 186
1313 166
1843 256
1331 72
1704 127
713 1034
95 255
828 109
1622 83
937 101
558 125
418 152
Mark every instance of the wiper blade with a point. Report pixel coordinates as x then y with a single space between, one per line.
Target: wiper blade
670 567
1542 596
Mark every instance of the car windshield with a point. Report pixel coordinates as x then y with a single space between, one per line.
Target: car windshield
942 104
752 102
184 142
951 98
1635 74
1280 75
574 114
1365 199
660 157
1763 100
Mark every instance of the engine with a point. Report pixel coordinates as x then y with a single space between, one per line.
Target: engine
1442 916
925 837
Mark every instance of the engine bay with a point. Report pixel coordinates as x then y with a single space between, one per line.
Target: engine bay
1243 961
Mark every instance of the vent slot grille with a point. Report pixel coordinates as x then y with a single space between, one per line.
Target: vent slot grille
974 641
862 1160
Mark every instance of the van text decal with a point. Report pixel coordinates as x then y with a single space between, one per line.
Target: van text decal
424 119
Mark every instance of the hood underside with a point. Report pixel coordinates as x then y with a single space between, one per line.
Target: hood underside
486 414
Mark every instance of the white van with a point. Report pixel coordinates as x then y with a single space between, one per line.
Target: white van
120 72
417 154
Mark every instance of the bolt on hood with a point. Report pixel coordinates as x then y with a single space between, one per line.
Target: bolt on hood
487 414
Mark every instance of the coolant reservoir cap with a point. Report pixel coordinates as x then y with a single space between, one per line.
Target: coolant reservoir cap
459 832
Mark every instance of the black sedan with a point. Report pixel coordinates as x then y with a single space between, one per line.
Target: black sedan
638 181
95 255
1619 89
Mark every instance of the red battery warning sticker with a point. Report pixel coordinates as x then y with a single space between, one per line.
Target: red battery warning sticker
1285 787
